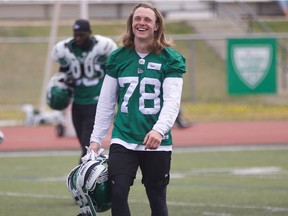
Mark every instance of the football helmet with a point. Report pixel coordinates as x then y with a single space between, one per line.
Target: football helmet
88 184
59 95
2 137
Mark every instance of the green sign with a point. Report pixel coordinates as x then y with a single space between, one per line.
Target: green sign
251 65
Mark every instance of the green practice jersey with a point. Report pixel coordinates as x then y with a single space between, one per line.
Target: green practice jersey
85 67
140 98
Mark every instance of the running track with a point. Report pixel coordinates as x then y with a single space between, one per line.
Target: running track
20 138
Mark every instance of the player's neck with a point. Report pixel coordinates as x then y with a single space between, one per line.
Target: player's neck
142 47
85 46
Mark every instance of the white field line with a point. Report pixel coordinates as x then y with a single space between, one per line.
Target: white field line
40 153
232 148
261 172
215 214
185 204
237 171
29 195
255 172
176 150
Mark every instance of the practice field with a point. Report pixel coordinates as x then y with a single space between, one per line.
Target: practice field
218 169
208 181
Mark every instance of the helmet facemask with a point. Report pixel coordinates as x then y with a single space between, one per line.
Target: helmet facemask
89 184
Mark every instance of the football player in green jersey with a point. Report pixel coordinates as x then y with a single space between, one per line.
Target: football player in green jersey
81 59
144 79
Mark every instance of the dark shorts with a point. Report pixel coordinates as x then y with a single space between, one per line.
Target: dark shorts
154 165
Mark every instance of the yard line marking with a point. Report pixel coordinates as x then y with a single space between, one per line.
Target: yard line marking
177 150
258 172
216 214
35 178
39 153
269 208
232 148
29 195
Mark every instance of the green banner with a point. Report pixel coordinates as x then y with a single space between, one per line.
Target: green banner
251 65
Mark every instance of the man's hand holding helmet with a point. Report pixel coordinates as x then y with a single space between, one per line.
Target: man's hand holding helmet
94 146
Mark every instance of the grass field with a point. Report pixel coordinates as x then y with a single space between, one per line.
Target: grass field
204 181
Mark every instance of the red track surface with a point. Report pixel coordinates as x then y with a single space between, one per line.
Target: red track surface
223 133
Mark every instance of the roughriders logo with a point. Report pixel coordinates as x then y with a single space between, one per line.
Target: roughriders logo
252 63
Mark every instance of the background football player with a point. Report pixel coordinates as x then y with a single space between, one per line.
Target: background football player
81 59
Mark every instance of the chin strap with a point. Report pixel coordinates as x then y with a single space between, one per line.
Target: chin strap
87 209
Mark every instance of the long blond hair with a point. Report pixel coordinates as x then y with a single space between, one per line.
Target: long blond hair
160 41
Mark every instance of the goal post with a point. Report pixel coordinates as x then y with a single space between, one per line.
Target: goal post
48 63
84 13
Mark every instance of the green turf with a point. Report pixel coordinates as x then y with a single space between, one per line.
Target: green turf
234 183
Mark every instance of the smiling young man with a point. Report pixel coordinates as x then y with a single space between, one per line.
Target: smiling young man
144 79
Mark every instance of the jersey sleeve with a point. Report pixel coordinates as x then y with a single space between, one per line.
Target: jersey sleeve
111 46
105 45
175 67
58 53
172 88
105 109
175 63
113 63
